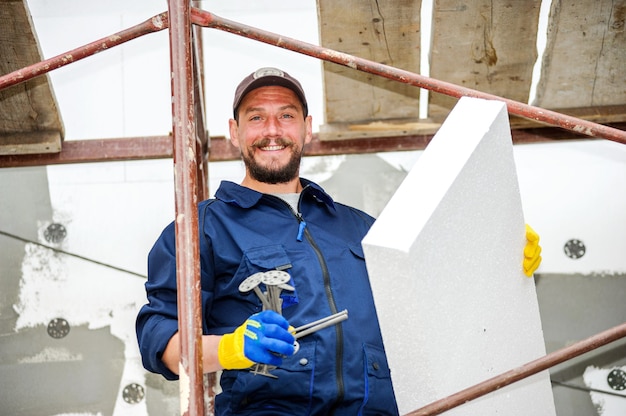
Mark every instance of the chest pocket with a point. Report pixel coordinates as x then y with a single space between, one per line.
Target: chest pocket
262 259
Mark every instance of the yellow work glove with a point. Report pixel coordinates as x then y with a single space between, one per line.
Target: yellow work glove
532 252
263 338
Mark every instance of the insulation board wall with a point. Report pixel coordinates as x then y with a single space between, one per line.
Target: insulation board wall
445 260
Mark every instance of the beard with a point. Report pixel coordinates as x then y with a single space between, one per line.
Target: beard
273 173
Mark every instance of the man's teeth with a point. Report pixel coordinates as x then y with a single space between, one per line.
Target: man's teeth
276 147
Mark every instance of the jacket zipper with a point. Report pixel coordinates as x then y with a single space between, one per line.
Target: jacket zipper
333 309
303 230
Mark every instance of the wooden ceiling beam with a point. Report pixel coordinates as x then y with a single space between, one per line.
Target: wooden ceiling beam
30 142
29 116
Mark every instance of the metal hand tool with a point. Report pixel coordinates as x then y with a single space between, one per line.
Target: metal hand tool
275 281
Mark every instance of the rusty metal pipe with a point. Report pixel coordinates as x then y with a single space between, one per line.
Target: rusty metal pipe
522 372
154 24
186 198
588 128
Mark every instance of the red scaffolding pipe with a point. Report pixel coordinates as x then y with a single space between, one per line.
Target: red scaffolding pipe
154 24
588 128
186 195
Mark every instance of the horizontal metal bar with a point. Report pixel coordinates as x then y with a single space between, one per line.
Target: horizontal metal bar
160 147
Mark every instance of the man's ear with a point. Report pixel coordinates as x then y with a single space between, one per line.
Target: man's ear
309 129
234 132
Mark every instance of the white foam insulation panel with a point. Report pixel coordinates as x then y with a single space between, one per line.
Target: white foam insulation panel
445 260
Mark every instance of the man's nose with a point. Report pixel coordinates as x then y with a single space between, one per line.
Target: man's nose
272 127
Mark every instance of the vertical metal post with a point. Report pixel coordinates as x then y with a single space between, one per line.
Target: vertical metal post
185 181
202 139
202 169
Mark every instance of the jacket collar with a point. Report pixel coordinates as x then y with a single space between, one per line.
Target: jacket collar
243 197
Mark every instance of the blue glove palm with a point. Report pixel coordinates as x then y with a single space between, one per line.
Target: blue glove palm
261 339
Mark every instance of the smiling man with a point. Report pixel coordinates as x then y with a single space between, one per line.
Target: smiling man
271 125
274 222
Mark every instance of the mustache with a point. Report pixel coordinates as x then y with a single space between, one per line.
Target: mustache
278 141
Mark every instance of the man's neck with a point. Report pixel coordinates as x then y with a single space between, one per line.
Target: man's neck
292 186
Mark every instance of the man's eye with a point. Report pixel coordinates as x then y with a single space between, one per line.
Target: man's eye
287 116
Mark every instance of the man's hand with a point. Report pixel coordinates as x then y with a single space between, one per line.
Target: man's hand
263 338
532 252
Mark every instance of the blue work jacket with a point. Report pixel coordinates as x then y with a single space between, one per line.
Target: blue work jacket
339 370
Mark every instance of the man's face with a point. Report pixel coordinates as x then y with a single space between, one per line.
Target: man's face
271 133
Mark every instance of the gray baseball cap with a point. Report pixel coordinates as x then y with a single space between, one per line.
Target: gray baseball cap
264 77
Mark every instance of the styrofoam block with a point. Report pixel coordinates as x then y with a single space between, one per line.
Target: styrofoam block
445 258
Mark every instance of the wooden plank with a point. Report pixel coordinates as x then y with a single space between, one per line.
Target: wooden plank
384 128
30 106
30 142
584 61
484 45
385 31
